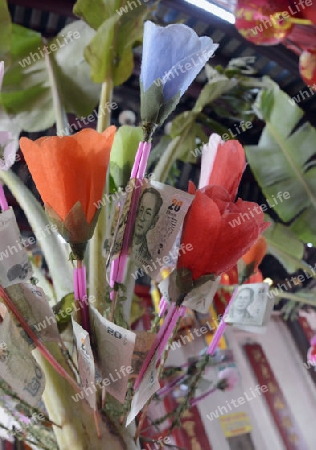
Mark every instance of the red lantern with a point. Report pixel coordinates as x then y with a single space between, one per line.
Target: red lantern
264 22
308 67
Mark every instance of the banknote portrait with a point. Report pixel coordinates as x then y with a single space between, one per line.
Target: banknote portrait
147 216
238 311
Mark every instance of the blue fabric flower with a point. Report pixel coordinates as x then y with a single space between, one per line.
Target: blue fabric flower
172 57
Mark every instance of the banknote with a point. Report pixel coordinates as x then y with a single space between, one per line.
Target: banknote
160 214
33 304
114 348
251 306
85 363
146 389
143 343
14 262
17 365
199 298
122 205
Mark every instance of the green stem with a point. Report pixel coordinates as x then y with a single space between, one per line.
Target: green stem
60 114
97 267
295 298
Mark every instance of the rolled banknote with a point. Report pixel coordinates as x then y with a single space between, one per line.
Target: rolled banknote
85 363
33 304
146 389
114 348
17 365
14 263
160 214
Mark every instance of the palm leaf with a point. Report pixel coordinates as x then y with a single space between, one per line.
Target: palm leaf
284 245
284 161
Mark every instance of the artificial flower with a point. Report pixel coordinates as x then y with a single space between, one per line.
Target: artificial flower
228 379
210 227
8 148
253 258
222 164
256 253
69 173
172 57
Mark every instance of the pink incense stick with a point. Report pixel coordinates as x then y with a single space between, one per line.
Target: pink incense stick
80 292
221 327
163 306
180 312
155 345
138 172
3 201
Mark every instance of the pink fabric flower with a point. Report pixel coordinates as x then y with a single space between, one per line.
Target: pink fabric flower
231 377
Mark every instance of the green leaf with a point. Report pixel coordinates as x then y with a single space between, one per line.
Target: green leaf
215 88
26 89
5 31
284 161
100 52
95 12
185 125
284 245
129 31
125 145
63 309
110 53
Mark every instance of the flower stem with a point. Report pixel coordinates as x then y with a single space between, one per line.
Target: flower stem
60 114
97 267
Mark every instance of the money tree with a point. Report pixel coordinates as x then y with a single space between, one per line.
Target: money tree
69 359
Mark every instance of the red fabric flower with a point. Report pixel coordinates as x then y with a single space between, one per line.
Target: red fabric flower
218 232
222 164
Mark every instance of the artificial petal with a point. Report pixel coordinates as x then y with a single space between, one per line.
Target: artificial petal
166 50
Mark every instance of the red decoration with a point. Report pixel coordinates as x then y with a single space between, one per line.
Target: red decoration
276 402
308 67
264 22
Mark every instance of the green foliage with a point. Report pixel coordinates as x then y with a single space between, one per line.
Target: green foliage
284 161
27 90
62 309
110 52
5 31
284 245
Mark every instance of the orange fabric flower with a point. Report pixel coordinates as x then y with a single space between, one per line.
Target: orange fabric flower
70 169
255 255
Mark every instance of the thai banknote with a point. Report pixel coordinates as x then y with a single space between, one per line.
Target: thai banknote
199 298
17 364
146 389
86 365
159 218
251 306
114 348
33 304
14 263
